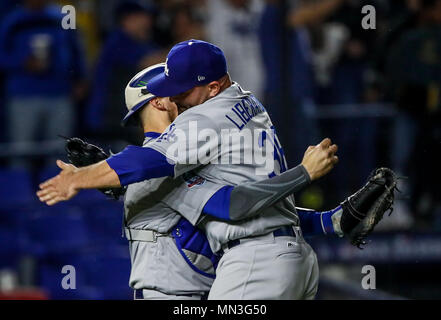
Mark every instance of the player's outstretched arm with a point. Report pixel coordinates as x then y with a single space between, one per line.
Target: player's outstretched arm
71 180
131 165
316 223
356 217
249 199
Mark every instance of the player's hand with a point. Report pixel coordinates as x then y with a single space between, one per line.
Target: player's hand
60 187
320 159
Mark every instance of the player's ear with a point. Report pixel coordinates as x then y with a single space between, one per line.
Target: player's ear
214 88
158 104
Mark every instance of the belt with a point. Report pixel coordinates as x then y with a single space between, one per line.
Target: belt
286 231
143 235
138 295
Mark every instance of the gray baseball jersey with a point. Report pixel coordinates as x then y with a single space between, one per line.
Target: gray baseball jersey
159 265
229 131
243 271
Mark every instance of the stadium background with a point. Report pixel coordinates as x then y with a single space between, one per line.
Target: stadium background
376 93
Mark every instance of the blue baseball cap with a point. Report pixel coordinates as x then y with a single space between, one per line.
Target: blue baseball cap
189 64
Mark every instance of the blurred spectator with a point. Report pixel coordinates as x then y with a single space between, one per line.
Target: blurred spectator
289 78
413 74
233 26
346 84
106 11
162 33
349 76
186 24
178 21
43 64
128 49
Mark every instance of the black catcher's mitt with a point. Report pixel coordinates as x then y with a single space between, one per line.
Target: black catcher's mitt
81 154
365 208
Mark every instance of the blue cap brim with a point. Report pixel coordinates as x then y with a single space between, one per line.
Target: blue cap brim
134 110
162 86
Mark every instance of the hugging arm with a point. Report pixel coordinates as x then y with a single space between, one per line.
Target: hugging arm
249 199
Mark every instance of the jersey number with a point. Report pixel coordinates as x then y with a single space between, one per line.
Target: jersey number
279 155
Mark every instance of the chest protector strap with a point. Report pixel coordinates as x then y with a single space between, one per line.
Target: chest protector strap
193 245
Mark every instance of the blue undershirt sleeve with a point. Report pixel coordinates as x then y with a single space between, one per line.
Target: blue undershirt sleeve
135 164
315 223
219 204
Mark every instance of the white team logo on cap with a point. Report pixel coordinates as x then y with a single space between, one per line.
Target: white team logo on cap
200 78
166 67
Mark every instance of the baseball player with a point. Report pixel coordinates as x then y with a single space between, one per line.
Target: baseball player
163 266
264 257
158 269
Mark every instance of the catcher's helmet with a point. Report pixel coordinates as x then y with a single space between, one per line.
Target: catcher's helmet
136 92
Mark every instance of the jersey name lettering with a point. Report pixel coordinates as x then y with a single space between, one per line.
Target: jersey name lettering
244 111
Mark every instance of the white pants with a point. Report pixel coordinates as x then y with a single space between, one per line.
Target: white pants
267 268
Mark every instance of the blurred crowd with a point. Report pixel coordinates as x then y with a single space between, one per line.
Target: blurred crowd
300 57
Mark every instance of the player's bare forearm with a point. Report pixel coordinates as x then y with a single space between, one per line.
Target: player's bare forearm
95 176
71 180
